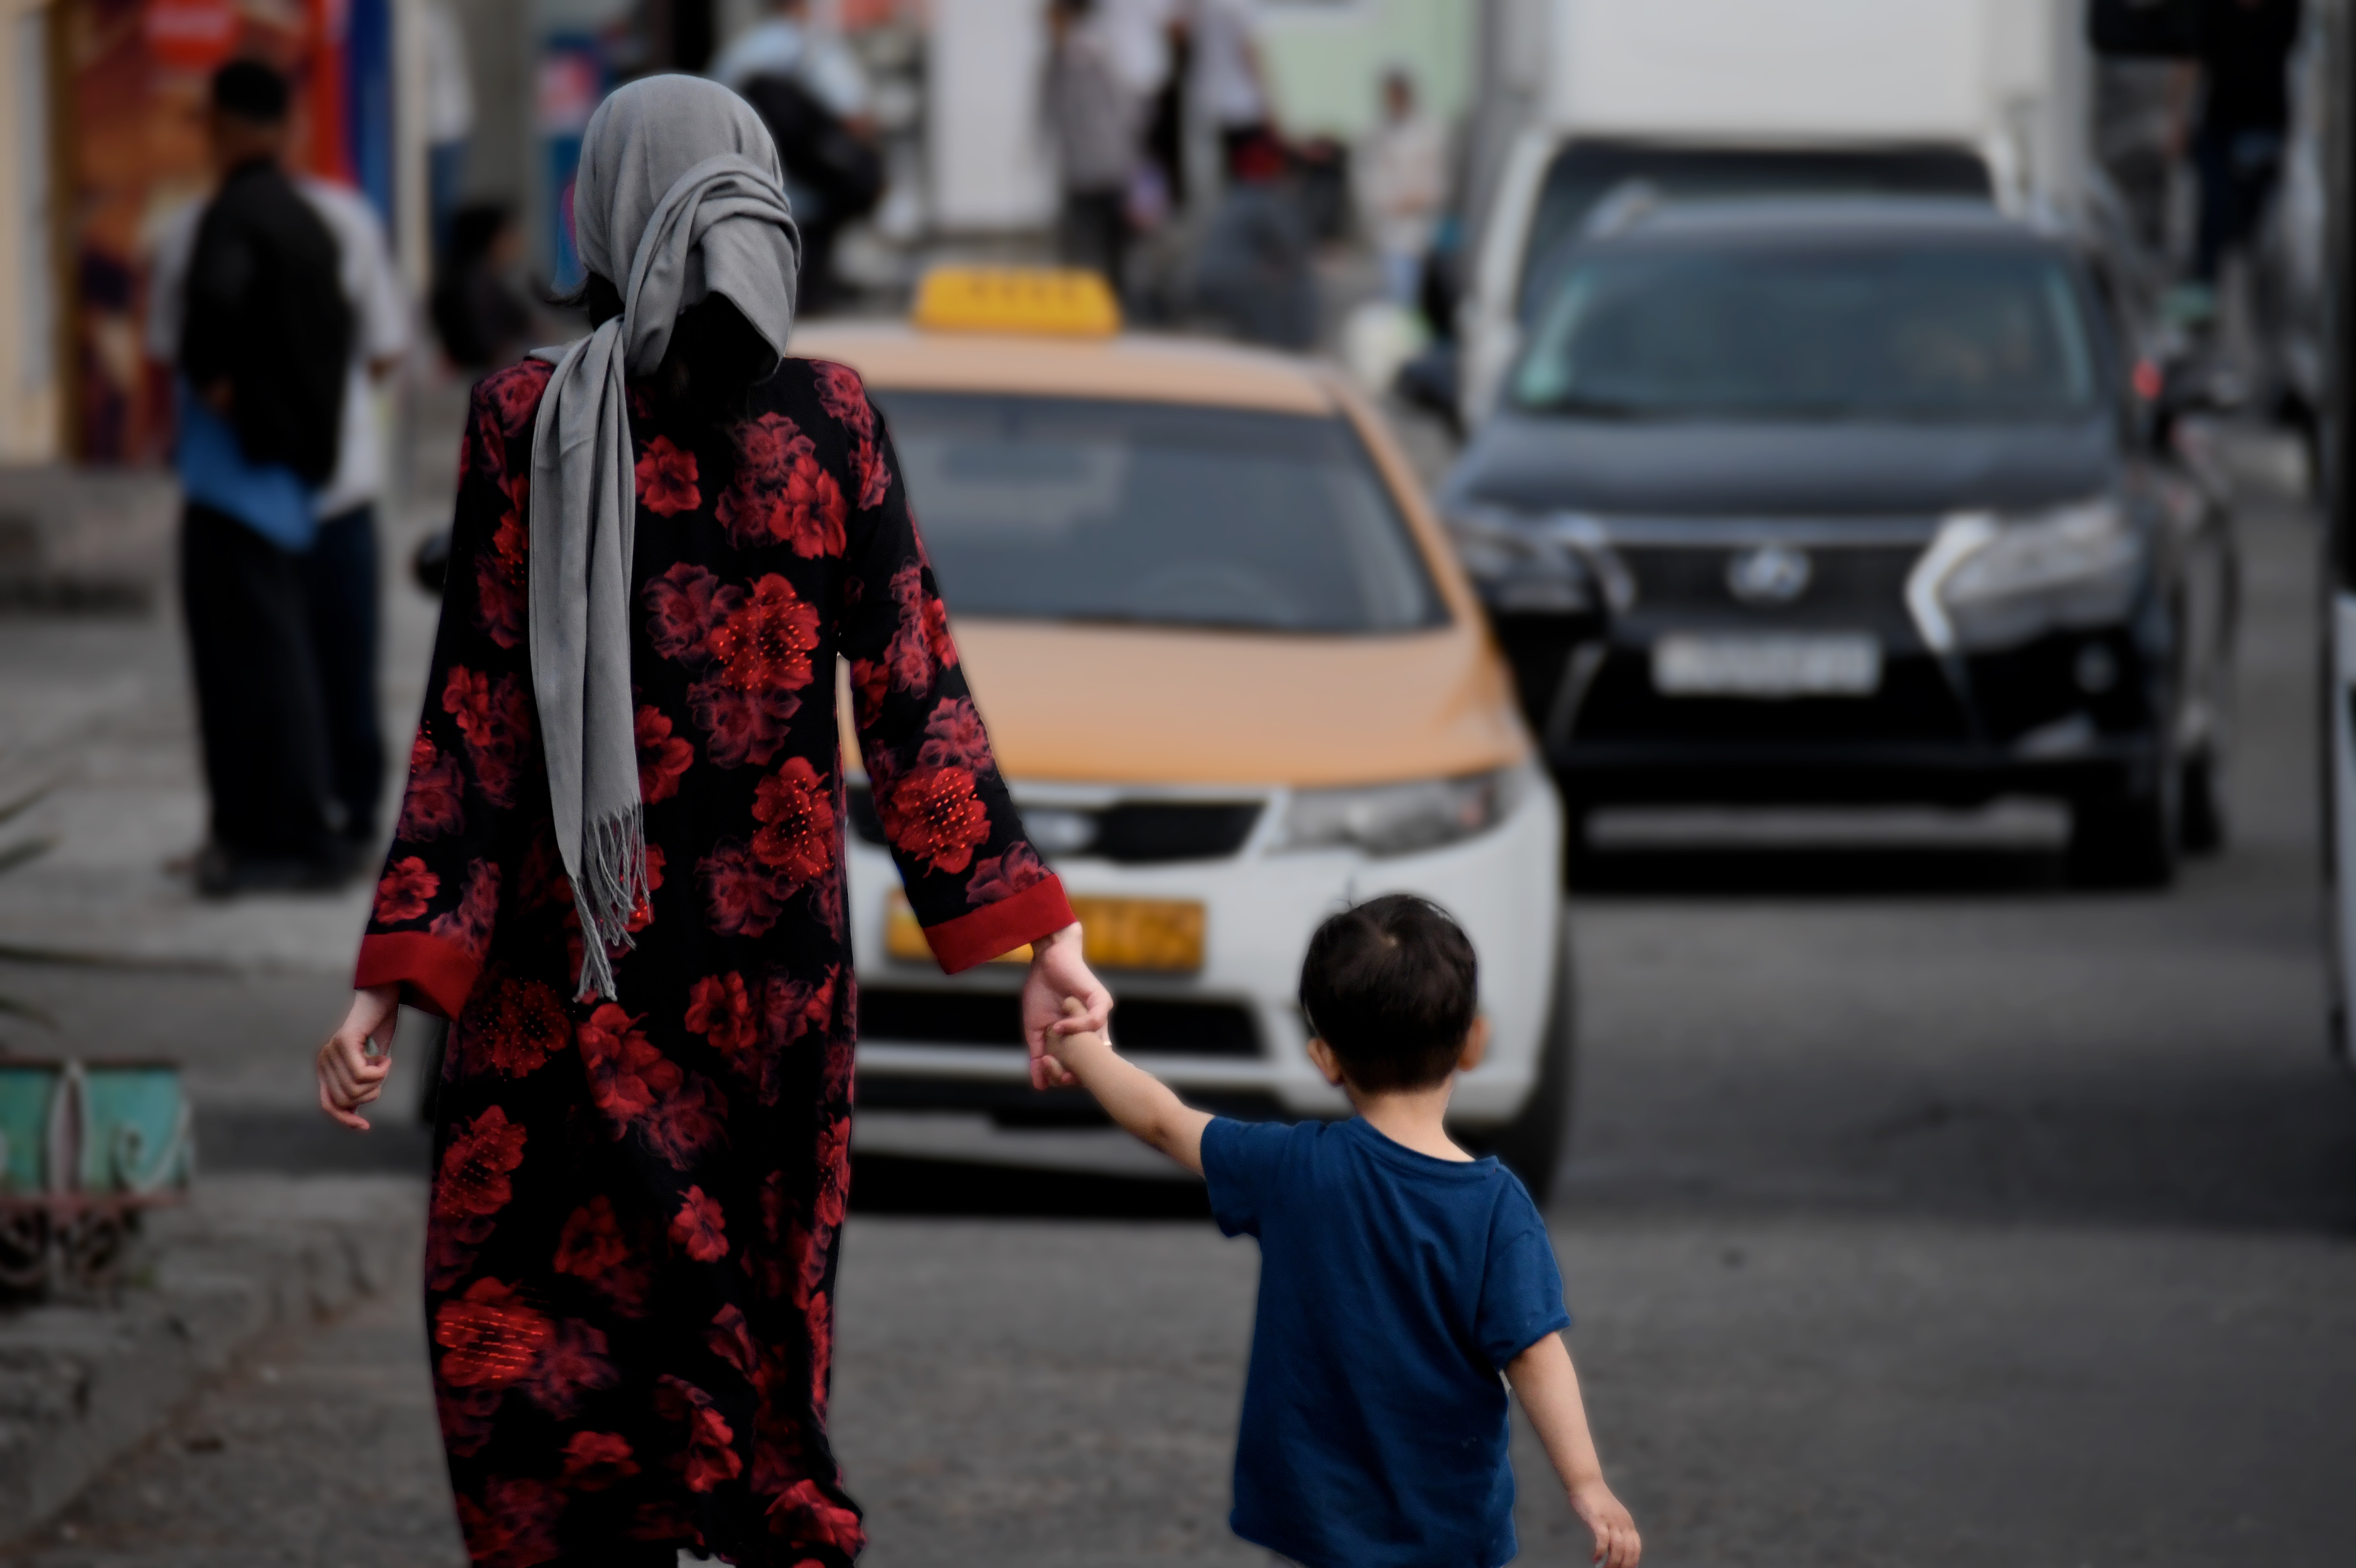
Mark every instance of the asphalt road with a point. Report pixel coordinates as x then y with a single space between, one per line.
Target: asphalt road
1923 1211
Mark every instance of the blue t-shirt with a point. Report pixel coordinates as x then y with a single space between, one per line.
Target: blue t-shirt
1394 1288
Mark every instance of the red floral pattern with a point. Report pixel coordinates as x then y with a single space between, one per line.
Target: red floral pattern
934 814
796 811
782 496
663 757
666 478
435 802
468 927
637 1204
1003 876
405 891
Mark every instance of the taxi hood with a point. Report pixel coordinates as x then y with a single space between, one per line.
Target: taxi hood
1128 705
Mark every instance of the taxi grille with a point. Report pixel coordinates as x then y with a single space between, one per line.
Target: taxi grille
1136 833
1142 1024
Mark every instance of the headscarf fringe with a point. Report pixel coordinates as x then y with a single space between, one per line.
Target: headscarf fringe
610 889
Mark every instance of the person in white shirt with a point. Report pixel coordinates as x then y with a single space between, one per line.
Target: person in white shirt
1228 86
1092 120
339 569
786 45
1402 179
449 118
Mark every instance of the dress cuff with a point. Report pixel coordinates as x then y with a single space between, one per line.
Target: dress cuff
434 975
1039 909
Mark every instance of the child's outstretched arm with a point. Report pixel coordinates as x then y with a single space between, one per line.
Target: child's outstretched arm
1548 1385
1140 1102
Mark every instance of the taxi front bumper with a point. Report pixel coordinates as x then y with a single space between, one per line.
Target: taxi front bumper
1228 1036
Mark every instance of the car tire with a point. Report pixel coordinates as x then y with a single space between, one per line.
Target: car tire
2126 838
2201 830
1533 1143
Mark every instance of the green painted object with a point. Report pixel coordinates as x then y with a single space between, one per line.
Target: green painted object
27 1090
99 1129
135 1136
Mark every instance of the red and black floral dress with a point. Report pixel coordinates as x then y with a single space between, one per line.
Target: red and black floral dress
637 1204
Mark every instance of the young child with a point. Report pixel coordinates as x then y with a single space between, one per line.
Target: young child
1399 1276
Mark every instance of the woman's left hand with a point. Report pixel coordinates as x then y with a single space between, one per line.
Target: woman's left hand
354 1062
1058 971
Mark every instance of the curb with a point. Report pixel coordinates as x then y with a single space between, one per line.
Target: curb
250 1256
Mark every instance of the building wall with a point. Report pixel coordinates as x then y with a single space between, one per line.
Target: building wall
1325 59
28 314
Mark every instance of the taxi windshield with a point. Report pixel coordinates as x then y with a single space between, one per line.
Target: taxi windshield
1786 334
1156 514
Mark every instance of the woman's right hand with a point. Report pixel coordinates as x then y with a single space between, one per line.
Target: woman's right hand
358 1057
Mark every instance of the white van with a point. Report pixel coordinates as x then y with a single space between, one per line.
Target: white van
1726 97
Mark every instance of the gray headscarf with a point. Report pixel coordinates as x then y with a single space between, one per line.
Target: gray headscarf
679 196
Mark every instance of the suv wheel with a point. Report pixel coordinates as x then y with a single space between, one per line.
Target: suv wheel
2202 829
2128 838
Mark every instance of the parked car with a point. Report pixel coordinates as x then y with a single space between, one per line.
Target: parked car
1856 501
1237 680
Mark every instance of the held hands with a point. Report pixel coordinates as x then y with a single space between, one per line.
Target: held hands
1616 1542
1058 973
355 1061
1071 1041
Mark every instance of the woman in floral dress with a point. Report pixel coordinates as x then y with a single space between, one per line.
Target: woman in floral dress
644 1141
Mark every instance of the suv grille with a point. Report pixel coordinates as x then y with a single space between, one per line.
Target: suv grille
1137 833
1844 577
1142 1024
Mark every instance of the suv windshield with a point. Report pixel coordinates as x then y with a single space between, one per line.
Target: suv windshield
1064 509
1796 334
1585 172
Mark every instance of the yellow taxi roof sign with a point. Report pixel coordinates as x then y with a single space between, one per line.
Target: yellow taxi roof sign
1064 302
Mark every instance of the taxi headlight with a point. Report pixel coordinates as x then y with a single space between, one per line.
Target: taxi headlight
1400 819
1990 583
1517 565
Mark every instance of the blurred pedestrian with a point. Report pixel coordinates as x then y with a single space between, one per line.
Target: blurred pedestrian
1402 169
812 94
339 569
1404 1285
477 313
1229 87
1253 270
619 870
1092 121
449 102
2237 149
248 305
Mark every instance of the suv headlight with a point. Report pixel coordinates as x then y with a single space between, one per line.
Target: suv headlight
1519 566
1400 819
1989 582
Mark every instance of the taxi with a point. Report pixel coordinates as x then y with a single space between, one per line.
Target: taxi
1237 682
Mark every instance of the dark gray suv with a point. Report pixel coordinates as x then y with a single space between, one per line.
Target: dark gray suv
1855 501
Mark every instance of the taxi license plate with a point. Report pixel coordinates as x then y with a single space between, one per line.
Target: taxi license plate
1842 664
1164 935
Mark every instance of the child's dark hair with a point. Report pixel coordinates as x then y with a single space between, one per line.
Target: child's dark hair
1393 986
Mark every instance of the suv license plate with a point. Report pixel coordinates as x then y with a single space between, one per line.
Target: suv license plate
1845 664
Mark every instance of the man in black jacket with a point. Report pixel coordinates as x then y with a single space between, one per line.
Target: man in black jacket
264 340
2244 47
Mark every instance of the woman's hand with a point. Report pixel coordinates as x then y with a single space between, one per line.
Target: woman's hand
1058 971
354 1062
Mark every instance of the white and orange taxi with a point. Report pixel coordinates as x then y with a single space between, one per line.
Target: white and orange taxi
1236 681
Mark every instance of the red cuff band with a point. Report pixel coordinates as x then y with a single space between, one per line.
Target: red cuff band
434 975
1039 909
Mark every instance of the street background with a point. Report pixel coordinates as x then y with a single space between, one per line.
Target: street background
1922 1208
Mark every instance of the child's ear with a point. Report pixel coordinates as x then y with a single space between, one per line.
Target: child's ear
1476 1045
1327 1062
